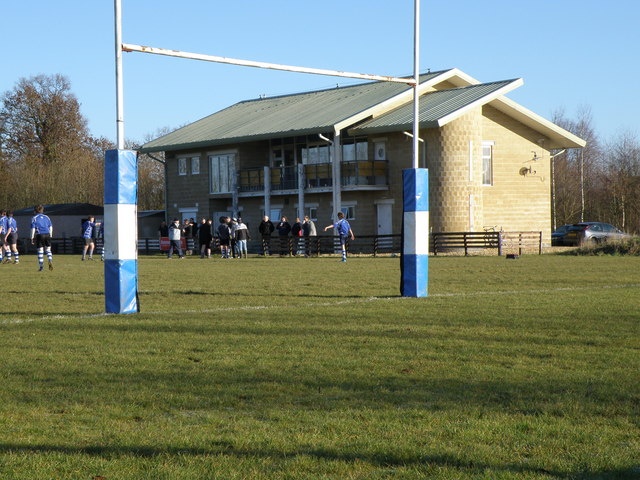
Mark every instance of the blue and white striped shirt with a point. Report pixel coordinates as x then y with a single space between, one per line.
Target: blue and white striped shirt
343 227
41 224
87 229
12 225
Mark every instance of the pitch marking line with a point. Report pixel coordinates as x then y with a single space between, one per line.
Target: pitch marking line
334 303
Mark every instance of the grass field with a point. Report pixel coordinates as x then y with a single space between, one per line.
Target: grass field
313 369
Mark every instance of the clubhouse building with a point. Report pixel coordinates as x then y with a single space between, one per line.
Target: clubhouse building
304 154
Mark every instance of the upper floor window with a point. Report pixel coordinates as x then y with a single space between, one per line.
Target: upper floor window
222 171
195 165
182 166
487 163
315 154
353 150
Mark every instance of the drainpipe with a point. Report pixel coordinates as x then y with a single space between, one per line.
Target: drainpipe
234 194
267 191
336 174
301 191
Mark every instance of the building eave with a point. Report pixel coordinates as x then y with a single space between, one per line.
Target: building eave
558 136
396 101
481 101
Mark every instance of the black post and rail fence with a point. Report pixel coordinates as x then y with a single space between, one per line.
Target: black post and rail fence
456 243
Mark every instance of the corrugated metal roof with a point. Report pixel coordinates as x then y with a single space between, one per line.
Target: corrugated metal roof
434 106
289 115
65 209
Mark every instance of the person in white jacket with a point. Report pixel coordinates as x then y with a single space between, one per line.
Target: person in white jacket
308 231
175 234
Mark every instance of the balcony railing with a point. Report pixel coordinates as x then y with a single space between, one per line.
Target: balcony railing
353 173
365 172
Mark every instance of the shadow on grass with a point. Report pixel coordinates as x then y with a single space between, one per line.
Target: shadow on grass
56 292
238 295
381 460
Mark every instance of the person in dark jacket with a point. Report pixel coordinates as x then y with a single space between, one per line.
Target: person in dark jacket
224 234
296 233
265 229
187 233
284 228
163 229
205 235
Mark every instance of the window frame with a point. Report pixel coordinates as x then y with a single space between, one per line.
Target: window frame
214 173
182 166
195 165
487 160
349 210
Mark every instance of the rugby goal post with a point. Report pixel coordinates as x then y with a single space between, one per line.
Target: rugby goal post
121 277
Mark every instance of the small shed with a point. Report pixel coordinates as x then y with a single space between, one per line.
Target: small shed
148 223
66 218
67 221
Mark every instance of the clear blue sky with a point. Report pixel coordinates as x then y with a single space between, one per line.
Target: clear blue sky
570 53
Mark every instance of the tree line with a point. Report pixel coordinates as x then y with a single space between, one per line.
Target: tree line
600 182
47 155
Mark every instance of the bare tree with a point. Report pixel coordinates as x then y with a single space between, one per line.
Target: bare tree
622 181
48 155
576 171
151 175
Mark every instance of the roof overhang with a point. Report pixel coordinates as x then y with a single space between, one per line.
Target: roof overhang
558 136
437 108
397 101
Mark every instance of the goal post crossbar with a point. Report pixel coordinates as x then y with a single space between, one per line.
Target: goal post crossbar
127 47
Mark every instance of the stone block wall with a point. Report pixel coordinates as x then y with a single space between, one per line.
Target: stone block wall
454 159
518 200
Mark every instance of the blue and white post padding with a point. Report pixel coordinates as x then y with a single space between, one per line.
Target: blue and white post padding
415 246
121 231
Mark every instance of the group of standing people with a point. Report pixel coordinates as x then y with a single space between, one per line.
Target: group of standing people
41 233
233 234
301 235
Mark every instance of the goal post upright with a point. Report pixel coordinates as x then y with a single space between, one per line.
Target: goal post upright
121 186
415 193
120 205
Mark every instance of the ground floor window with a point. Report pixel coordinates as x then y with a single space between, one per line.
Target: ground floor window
349 211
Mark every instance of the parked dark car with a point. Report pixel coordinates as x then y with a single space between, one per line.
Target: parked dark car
591 232
558 234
